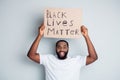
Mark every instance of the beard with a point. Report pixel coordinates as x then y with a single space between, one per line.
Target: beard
62 54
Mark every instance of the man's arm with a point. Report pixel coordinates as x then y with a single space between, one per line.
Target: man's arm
32 53
91 50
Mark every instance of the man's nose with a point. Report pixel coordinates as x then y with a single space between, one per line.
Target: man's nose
61 49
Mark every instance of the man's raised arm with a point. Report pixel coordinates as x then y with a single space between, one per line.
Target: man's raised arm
32 53
91 50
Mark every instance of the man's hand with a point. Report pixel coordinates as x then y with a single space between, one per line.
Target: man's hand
84 31
41 29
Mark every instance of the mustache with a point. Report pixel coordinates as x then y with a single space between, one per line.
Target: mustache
62 51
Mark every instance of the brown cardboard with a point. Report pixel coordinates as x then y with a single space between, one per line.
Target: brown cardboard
62 22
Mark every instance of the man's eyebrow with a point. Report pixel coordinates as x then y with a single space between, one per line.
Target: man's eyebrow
58 45
65 45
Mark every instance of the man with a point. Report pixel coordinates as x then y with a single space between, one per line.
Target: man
60 66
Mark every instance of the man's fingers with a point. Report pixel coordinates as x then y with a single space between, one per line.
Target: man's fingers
83 28
42 26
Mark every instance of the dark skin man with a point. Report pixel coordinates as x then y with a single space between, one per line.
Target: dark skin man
62 47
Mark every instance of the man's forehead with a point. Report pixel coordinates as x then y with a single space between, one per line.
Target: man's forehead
62 43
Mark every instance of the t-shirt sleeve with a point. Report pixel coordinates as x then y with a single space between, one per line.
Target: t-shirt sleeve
82 60
43 59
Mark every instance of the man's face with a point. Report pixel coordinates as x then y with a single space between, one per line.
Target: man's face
62 50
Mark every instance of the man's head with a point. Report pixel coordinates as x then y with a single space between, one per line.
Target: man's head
62 48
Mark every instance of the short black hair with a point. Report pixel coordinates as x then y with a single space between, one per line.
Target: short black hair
62 41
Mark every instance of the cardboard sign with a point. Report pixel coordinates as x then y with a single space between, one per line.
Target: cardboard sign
62 23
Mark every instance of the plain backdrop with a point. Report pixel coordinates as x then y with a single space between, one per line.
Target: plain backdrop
19 22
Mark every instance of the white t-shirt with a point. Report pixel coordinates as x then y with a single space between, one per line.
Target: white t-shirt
67 69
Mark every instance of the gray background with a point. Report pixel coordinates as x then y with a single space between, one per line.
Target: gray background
19 22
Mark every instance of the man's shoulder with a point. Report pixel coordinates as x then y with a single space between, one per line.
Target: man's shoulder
46 58
78 57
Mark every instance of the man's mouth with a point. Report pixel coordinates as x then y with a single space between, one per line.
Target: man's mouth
62 53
